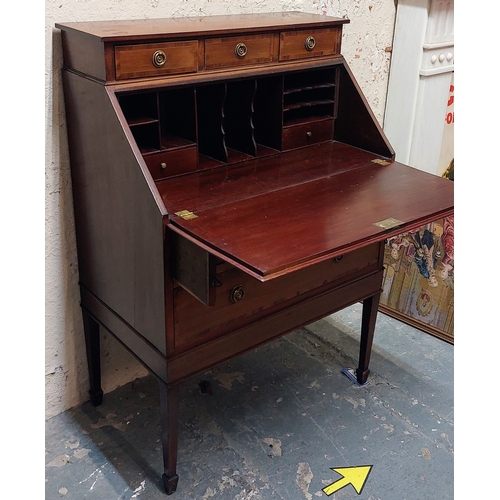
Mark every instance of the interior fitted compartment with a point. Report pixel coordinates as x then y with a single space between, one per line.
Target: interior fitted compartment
313 92
163 124
202 126
141 112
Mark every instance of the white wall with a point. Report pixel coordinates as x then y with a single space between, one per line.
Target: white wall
366 39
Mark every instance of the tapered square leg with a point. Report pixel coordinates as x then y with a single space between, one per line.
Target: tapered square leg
92 344
368 320
169 402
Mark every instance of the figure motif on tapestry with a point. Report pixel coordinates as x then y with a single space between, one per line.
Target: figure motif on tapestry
419 274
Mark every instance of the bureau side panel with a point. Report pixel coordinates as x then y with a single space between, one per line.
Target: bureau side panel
356 125
84 53
119 225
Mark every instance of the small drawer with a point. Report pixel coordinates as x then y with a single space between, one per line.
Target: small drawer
239 51
238 296
168 163
302 44
312 132
155 59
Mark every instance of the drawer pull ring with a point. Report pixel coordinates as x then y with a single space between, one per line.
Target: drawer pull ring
159 58
240 50
310 43
338 258
237 293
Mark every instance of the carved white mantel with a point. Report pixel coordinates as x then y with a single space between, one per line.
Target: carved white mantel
419 84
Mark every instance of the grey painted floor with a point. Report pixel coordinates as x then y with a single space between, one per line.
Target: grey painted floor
278 420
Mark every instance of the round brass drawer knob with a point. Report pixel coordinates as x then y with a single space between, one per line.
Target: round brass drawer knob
338 258
163 165
240 50
310 43
237 293
159 58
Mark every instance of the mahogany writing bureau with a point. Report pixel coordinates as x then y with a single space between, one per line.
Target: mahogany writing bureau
230 185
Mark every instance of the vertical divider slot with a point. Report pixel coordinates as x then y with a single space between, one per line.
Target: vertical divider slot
238 120
210 115
268 114
177 118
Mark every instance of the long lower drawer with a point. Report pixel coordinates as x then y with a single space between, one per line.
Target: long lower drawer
255 333
240 297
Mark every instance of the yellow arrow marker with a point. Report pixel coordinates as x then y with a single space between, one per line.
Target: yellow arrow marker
356 476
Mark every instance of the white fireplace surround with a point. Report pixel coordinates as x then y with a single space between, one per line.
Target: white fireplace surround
419 83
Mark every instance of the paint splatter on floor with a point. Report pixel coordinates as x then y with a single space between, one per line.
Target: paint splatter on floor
304 478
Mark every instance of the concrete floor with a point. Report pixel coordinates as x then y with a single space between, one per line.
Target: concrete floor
279 419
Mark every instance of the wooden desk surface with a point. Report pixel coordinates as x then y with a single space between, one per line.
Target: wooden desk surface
137 29
273 215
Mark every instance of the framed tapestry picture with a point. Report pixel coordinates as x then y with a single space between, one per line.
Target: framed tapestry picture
418 286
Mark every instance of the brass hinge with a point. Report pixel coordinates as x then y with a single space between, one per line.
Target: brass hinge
186 215
380 161
388 223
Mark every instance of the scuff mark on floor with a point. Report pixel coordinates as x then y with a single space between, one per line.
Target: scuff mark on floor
275 445
59 461
226 379
210 428
75 443
109 420
248 495
249 491
304 478
356 402
209 493
81 453
445 443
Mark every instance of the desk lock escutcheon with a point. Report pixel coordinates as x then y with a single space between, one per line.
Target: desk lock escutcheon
236 294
